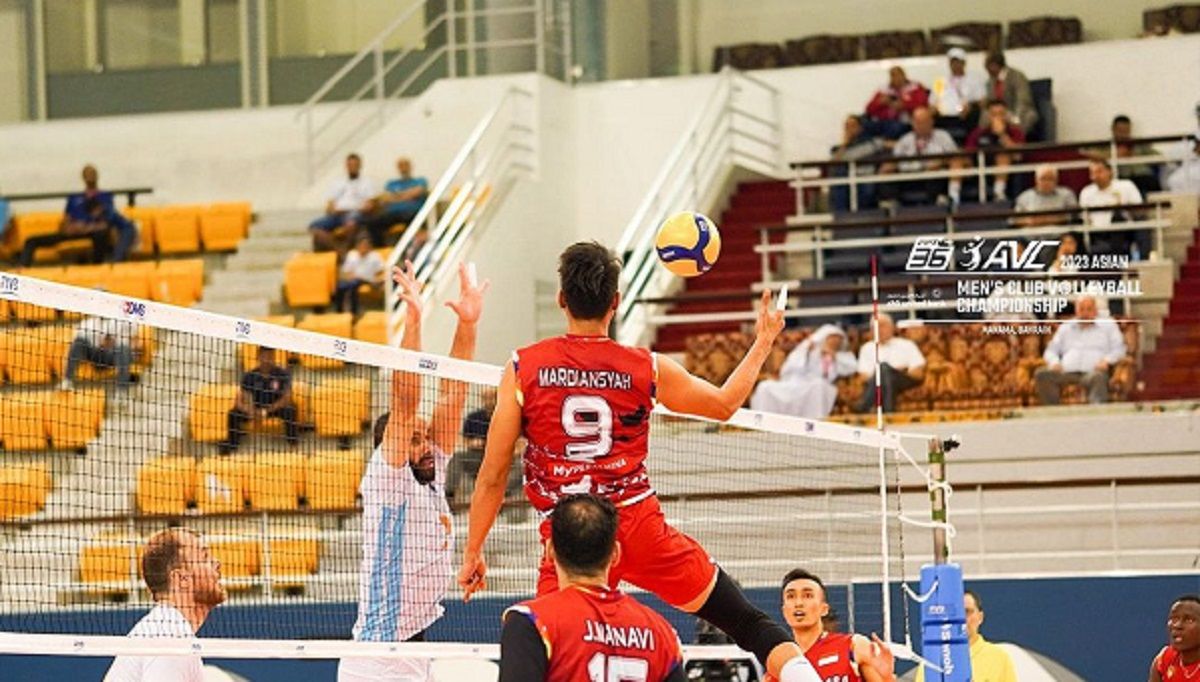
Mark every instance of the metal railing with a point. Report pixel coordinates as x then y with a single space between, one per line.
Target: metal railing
738 125
448 39
502 146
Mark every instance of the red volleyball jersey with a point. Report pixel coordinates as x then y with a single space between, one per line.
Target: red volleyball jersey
585 414
601 634
833 658
1170 666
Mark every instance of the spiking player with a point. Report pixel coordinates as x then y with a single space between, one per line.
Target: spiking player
837 657
583 403
408 543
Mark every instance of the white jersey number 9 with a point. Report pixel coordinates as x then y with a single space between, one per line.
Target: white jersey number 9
590 417
603 668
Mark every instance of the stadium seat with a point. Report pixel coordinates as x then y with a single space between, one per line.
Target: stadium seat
36 224
208 411
29 354
221 231
143 217
372 327
178 282
110 562
221 483
21 424
131 279
332 478
23 489
341 406
87 276
275 481
293 556
333 324
29 312
308 279
249 351
72 418
242 209
177 230
239 557
166 485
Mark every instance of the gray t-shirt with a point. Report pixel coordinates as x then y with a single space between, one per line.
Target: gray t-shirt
1032 200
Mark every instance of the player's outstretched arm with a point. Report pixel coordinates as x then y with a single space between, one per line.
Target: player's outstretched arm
452 395
502 436
876 663
682 392
406 386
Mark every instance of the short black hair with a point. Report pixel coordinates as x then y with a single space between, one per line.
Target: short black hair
380 427
355 156
1194 598
583 529
995 101
1102 162
975 596
588 274
801 574
1121 118
160 558
996 58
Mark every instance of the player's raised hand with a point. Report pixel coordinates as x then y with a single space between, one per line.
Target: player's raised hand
882 659
471 577
770 320
410 289
469 305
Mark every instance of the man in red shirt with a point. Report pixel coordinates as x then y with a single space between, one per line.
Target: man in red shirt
586 630
837 657
997 132
583 404
1179 661
890 109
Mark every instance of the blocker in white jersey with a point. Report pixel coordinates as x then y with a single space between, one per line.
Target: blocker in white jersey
163 620
408 538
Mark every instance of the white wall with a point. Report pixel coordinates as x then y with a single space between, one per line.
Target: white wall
12 61
728 22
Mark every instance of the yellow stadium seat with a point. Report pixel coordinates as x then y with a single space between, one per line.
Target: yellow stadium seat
308 279
208 412
177 229
143 217
333 324
3 310
131 279
302 396
341 406
35 313
166 485
332 478
221 231
292 557
275 481
23 489
239 557
372 327
109 561
87 276
21 423
73 418
178 282
240 208
249 351
30 354
36 224
221 483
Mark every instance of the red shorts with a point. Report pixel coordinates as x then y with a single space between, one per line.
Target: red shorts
654 557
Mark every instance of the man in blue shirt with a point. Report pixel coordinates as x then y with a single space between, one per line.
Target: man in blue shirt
401 200
89 214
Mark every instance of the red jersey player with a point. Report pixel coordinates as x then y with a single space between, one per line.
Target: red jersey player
583 403
1179 661
837 657
586 630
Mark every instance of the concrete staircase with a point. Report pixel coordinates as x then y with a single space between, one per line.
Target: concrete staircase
252 279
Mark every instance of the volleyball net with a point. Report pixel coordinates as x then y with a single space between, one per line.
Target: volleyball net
120 418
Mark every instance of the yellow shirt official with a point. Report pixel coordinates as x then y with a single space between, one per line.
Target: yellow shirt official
989 663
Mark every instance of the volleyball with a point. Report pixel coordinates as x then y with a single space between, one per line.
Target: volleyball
688 244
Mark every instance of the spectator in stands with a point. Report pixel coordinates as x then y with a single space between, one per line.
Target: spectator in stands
1011 87
805 387
988 661
89 214
902 366
465 465
266 391
105 343
401 200
361 266
997 132
1141 174
926 140
420 238
184 579
959 96
1105 191
5 220
890 109
856 145
349 200
1068 246
1185 178
1045 195
1083 351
